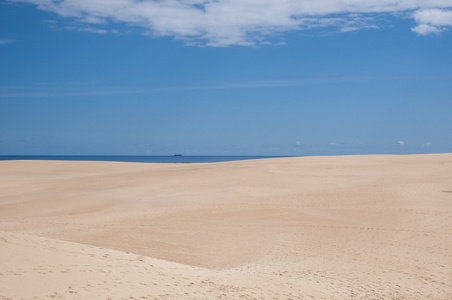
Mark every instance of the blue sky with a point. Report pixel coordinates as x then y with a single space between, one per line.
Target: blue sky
246 77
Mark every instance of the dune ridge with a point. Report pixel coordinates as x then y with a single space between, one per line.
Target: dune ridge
345 227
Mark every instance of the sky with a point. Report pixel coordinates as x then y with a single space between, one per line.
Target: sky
225 77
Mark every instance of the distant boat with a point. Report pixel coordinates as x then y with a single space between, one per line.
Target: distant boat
177 154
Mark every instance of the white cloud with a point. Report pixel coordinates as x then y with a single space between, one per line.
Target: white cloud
400 143
428 144
432 20
297 143
222 23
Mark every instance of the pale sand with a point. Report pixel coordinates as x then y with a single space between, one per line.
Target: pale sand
351 227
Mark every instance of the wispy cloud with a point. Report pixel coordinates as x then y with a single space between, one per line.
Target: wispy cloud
65 93
88 29
428 144
46 89
221 23
83 28
275 83
400 143
6 42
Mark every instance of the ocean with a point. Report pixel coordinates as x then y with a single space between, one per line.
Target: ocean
133 158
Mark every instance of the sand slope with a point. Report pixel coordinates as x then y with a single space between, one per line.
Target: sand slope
350 227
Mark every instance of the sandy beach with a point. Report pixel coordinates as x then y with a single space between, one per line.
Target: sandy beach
345 227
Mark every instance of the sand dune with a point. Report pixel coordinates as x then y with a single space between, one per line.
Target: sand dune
350 227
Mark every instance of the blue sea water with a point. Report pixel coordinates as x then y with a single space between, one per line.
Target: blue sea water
127 158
